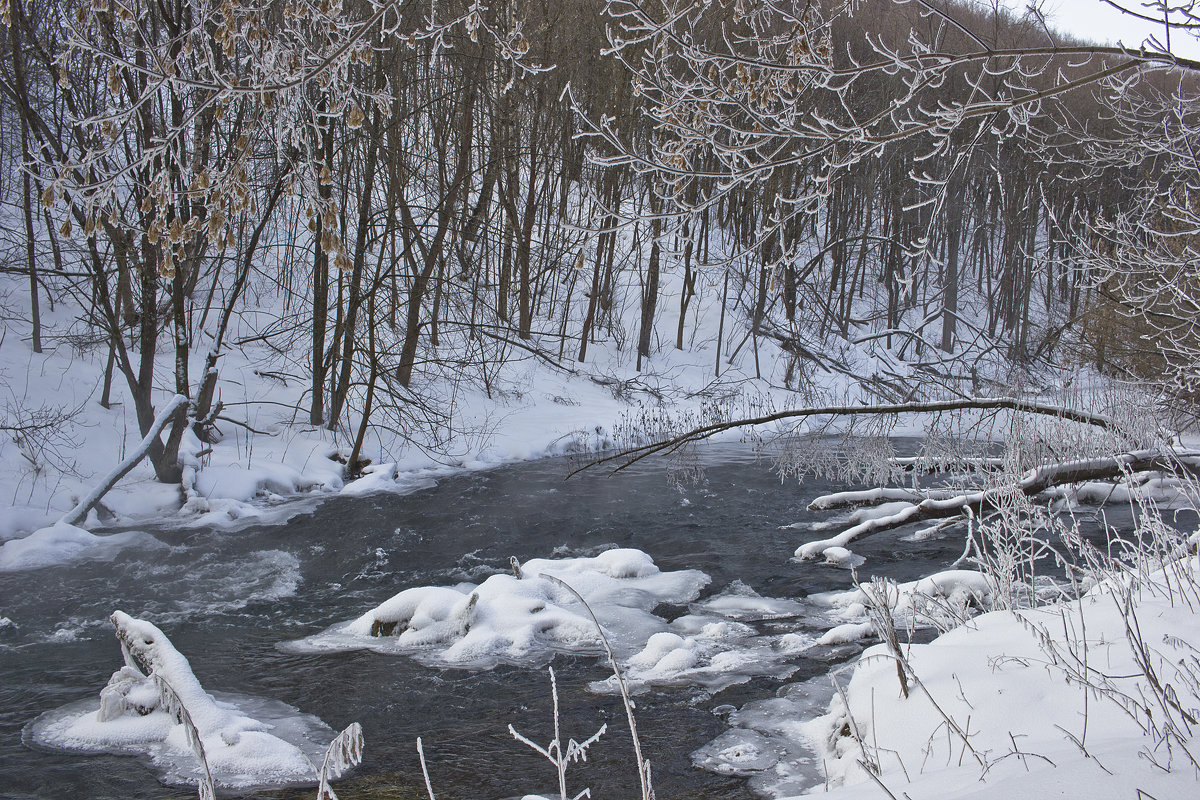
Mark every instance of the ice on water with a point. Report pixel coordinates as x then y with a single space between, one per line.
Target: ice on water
770 741
62 543
247 742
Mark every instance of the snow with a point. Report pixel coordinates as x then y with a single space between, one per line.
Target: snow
842 558
62 543
862 521
991 675
525 620
529 410
134 715
1027 712
940 600
1042 702
520 619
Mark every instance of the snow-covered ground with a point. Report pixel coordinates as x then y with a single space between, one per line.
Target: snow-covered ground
269 453
1094 698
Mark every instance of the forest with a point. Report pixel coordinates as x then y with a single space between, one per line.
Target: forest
427 191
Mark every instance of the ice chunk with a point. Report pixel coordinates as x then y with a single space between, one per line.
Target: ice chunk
844 634
842 558
739 601
711 652
771 741
736 752
147 704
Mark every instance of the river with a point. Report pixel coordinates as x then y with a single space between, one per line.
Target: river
229 599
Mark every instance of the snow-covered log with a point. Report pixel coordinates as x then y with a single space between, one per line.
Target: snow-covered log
938 505
872 497
77 514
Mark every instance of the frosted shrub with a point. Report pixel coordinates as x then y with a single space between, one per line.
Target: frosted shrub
556 753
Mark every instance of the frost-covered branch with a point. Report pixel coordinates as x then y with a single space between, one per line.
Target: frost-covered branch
632 455
344 752
942 505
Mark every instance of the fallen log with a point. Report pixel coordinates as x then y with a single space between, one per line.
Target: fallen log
77 514
975 503
634 454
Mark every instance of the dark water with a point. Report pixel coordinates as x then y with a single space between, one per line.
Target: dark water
228 598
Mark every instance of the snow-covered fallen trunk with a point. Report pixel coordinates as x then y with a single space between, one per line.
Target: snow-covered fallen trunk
154 706
939 506
77 514
876 496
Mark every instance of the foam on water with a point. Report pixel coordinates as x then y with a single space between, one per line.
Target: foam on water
211 585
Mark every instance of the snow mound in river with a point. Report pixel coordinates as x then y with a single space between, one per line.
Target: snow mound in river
135 715
521 615
62 543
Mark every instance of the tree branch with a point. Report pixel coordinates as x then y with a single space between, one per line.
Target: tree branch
636 454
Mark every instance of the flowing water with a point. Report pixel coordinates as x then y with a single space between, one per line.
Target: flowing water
229 598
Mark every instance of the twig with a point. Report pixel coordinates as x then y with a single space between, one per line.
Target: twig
643 766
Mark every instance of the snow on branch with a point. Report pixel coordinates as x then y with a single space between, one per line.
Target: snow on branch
1035 481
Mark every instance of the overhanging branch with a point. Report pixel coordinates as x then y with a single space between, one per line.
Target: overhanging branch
636 454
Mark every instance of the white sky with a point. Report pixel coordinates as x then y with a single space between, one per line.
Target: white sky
1100 22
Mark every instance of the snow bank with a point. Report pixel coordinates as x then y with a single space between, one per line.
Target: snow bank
61 543
136 715
1009 705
